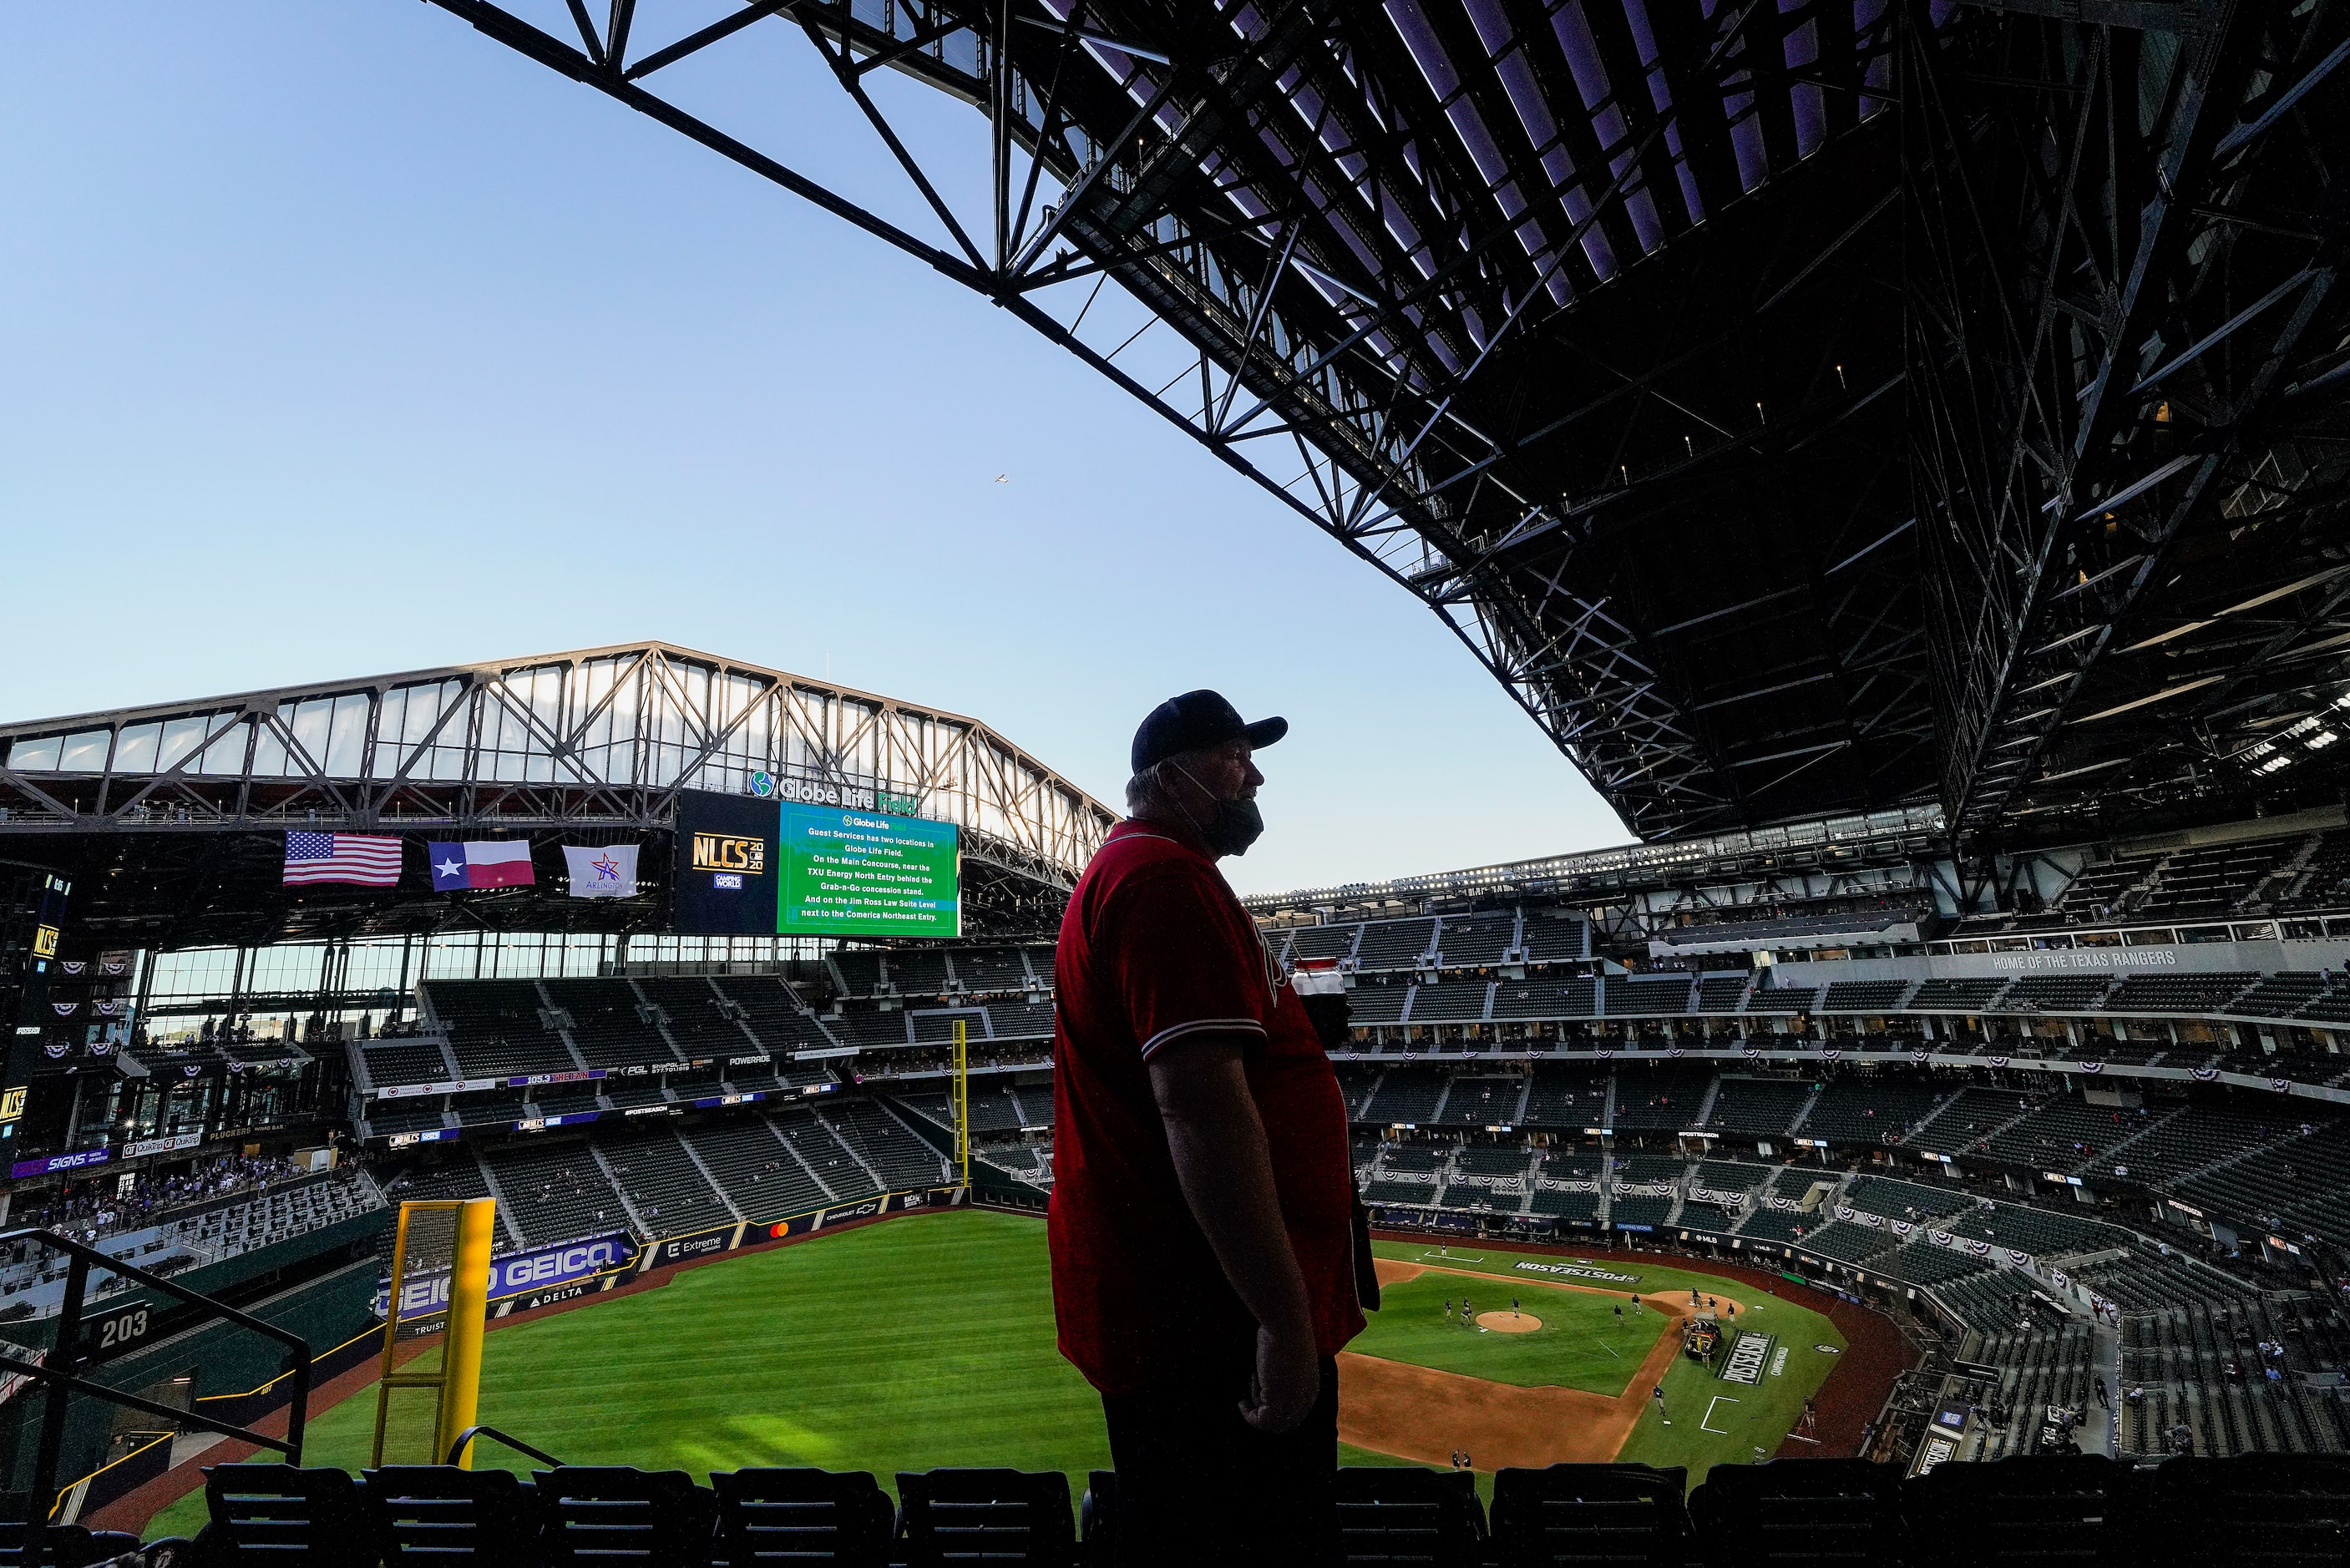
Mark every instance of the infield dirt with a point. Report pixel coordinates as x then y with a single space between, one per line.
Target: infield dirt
1418 1413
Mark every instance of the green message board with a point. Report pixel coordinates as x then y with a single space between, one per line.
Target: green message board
867 874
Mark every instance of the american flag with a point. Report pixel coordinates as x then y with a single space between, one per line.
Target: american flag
370 860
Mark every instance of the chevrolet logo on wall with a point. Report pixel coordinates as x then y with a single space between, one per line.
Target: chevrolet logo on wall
726 852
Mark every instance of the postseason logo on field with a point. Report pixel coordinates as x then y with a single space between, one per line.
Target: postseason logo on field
1747 1358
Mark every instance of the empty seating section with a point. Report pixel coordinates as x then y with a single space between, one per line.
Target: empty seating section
490 1110
1447 1001
2281 995
2039 1231
919 972
935 1026
884 1144
1721 993
554 1191
1568 1207
1323 942
765 1179
2207 993
2054 992
1549 938
1482 1102
385 1117
1846 1242
1407 1096
494 1027
1394 944
1667 1097
698 1018
2301 1184
824 1154
2099 891
1484 1159
1864 996
411 1061
1970 1116
1923 1265
1566 1097
2197 1137
773 1013
651 1168
1648 1211
2060 1132
1470 941
1015 1021
1372 1003
1729 1175
1864 1110
267 1218
607 1023
991 970
1631 996
1545 998
1760 1106
2209 884
1784 1225
861 1027
1901 1199
1355 1085
1954 996
1782 999
859 972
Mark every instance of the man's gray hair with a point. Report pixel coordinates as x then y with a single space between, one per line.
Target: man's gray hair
1150 792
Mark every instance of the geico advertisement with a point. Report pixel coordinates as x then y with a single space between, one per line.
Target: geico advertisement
545 1269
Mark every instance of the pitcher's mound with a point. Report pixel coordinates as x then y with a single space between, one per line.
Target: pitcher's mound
1509 1321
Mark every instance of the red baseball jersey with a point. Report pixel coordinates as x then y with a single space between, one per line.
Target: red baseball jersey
1155 949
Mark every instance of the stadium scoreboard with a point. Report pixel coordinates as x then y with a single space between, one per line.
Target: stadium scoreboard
747 866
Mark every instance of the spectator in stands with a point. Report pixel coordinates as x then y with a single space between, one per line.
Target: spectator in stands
1203 1255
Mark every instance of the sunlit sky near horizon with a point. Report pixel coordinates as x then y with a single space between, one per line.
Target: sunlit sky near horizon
341 340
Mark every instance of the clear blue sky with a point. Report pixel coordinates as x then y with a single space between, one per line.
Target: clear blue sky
339 339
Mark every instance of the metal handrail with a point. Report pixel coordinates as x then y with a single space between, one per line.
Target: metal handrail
65 1353
457 1449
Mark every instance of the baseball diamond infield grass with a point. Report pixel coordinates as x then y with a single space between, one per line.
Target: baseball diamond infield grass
929 1341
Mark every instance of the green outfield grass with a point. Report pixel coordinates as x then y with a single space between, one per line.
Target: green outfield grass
1713 1421
1582 1344
929 1341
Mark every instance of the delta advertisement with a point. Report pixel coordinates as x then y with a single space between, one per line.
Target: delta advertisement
747 866
535 1272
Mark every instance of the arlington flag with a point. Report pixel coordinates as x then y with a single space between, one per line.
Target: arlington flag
608 871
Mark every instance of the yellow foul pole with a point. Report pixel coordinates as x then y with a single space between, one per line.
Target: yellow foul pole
961 1107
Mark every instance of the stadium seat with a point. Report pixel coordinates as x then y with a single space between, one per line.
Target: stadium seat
441 1513
593 1516
2273 1509
2037 1507
802 1516
1003 1516
1389 1514
278 1513
1097 1519
1811 1510
62 1545
1628 1514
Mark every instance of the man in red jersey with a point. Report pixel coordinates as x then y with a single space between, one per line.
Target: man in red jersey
1203 1258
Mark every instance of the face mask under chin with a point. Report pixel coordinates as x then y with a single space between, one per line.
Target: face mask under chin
1236 823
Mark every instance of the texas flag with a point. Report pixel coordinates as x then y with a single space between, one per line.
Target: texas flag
456 866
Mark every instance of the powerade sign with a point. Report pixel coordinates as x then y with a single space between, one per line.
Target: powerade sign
547 1269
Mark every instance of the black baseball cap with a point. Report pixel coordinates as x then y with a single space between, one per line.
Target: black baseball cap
1194 720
